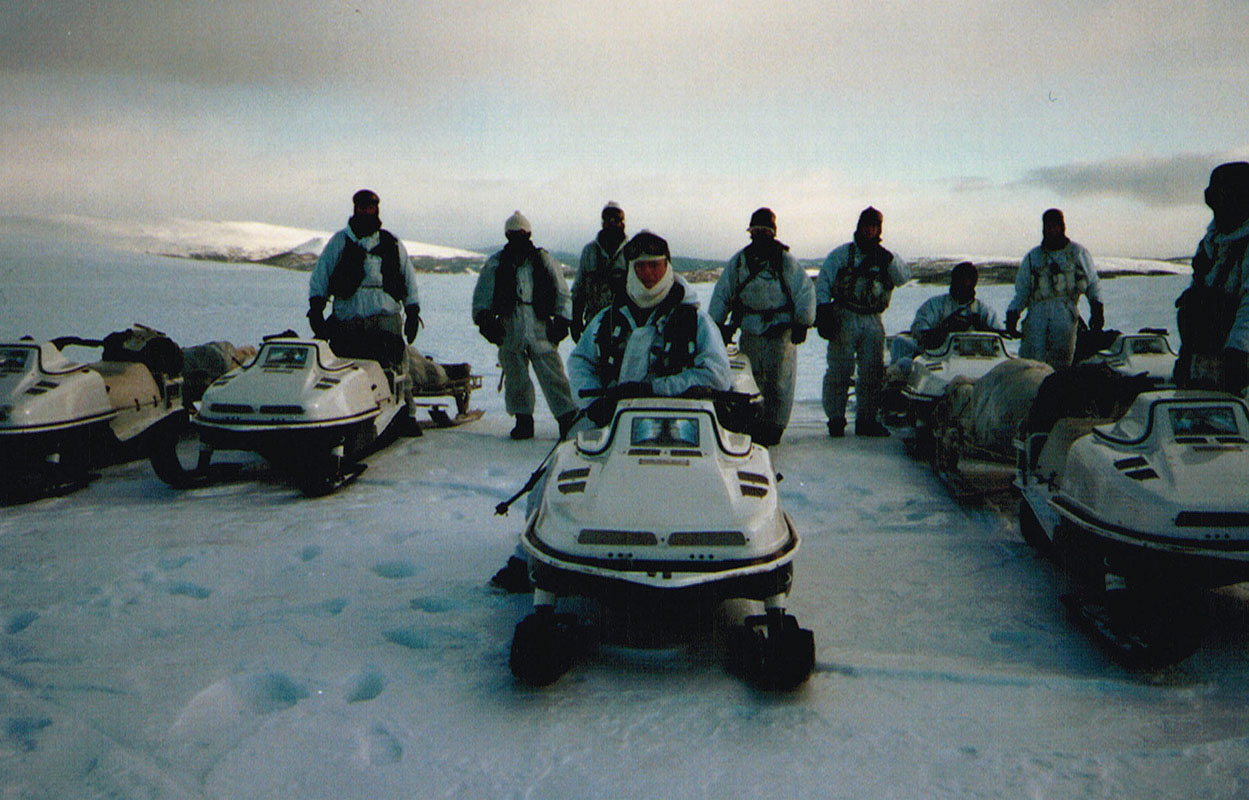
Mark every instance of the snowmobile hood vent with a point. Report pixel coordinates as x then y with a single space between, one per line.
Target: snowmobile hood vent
231 408
753 484
1212 519
281 409
617 538
572 481
706 539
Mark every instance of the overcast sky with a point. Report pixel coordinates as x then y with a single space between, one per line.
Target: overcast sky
961 122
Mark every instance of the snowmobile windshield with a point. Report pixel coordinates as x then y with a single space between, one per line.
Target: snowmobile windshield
1204 421
15 360
1148 346
286 356
664 432
976 347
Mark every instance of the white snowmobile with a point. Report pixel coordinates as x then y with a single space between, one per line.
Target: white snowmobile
60 418
970 354
599 532
1147 352
1145 511
308 412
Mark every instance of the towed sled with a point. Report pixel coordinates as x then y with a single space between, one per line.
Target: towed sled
663 515
1145 511
454 381
309 413
60 418
969 436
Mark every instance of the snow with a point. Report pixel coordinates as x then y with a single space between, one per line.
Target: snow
225 240
241 641
1106 265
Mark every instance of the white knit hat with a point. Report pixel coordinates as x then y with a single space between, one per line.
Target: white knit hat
517 222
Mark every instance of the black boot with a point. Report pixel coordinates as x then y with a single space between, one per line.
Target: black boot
836 428
514 577
524 427
870 427
565 423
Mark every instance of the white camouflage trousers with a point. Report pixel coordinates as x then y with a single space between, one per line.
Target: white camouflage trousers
1049 333
548 367
859 341
774 362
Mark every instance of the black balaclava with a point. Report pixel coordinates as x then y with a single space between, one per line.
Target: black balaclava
364 224
869 215
1059 241
1228 195
963 283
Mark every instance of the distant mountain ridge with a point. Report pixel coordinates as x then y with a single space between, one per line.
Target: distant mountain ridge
298 248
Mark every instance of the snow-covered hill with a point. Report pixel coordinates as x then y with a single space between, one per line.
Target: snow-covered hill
256 242
297 248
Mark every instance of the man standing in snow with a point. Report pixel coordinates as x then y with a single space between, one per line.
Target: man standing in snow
601 274
366 269
764 290
653 337
1213 313
1049 283
854 286
521 304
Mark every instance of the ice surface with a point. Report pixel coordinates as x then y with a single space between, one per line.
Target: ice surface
240 641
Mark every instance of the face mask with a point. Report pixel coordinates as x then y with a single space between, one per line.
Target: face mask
648 298
363 225
963 294
866 242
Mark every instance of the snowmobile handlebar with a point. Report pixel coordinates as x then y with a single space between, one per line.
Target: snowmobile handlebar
630 391
61 342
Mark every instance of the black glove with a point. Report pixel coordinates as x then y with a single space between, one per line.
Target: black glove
798 333
1235 370
316 308
601 410
578 319
490 326
826 320
1097 316
932 339
411 321
556 329
631 389
1012 323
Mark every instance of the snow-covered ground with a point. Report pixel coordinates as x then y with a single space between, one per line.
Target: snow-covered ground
240 641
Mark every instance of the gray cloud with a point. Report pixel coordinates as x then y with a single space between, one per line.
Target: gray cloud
1157 181
695 113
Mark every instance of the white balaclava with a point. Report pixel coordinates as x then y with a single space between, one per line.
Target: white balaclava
639 294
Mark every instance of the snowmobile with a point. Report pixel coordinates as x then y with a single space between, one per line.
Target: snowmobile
599 531
61 418
1147 352
970 354
308 412
1145 511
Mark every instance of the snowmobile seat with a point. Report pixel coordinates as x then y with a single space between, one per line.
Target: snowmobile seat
1053 456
